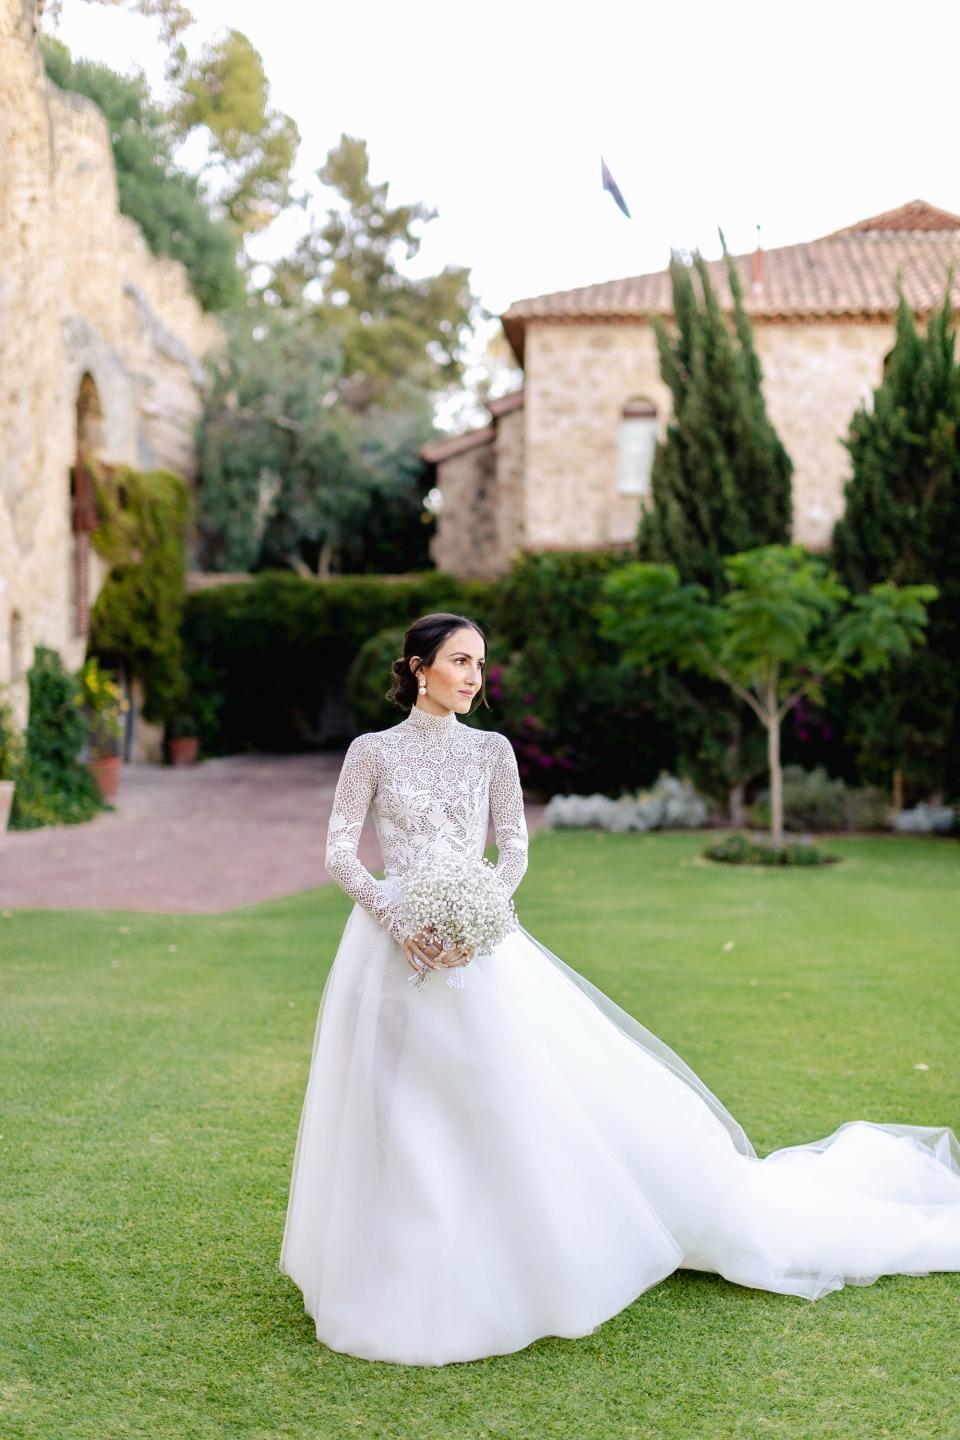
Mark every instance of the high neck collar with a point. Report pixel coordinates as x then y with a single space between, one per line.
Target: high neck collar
425 720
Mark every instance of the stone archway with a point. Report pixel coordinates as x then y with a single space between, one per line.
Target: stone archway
83 515
18 663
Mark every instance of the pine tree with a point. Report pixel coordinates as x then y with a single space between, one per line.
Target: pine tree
721 479
900 523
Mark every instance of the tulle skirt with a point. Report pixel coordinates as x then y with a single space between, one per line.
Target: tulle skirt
476 1168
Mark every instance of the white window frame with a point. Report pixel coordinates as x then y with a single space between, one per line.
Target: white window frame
639 432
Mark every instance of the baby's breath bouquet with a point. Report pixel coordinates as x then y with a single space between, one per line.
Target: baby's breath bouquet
459 901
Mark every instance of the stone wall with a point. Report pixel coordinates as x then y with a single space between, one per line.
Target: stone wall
578 377
482 523
814 378
465 542
80 296
509 494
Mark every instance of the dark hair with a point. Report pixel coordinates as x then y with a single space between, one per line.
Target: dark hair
424 638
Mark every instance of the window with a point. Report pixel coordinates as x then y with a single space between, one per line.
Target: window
638 441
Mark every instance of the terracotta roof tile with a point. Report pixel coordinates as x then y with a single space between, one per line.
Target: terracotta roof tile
436 450
849 274
915 215
506 404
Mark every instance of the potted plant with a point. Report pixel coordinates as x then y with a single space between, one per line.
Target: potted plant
105 708
182 739
11 755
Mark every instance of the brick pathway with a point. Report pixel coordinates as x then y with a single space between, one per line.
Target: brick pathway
190 840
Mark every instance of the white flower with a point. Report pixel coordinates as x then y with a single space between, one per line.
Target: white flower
461 901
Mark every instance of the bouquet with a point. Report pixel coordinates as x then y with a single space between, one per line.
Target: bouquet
459 901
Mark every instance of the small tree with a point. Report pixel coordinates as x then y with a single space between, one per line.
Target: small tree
784 627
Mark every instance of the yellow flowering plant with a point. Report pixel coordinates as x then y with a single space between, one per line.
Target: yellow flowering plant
104 706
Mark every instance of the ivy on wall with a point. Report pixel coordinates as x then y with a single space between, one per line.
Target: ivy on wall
143 517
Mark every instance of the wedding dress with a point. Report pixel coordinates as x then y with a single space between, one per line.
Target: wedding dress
479 1167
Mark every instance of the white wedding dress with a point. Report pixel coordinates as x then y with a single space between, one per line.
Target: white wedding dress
479 1167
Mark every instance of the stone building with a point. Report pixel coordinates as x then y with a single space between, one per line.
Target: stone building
565 463
101 349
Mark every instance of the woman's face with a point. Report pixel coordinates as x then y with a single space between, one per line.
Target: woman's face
455 675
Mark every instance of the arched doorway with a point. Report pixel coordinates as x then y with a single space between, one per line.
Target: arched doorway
83 514
17 658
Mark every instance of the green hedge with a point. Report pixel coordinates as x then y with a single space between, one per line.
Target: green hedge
263 655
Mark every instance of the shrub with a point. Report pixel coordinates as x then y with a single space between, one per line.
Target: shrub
925 820
53 787
811 801
580 719
741 850
11 744
368 678
868 808
670 804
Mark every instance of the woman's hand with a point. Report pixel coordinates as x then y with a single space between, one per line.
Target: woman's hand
424 950
458 955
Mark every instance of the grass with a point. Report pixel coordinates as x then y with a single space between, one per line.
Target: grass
153 1069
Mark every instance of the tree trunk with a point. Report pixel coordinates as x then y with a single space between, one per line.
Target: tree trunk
300 566
735 806
737 790
776 781
897 797
324 561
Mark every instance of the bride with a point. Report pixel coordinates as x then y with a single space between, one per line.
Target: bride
478 1167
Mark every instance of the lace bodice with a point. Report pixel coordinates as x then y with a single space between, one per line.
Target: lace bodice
431 783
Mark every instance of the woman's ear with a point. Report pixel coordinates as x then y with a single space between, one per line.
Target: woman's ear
414 662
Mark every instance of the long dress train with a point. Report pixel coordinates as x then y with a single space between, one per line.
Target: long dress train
479 1167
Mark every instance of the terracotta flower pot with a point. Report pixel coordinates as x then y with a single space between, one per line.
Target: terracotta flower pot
106 772
183 749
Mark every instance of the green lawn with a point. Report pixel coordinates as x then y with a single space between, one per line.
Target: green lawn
153 1069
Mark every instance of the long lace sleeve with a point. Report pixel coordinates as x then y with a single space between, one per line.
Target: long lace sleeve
351 801
509 821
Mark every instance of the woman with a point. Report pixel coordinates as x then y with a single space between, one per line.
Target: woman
479 1167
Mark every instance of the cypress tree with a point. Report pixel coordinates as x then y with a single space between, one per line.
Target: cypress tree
721 483
901 522
721 479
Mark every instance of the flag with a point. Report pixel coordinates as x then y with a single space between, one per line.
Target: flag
610 184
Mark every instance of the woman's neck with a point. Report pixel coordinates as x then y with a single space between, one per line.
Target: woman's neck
422 719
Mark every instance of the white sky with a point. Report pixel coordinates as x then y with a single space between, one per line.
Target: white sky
797 115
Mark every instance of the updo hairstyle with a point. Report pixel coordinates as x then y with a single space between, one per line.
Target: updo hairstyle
424 638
